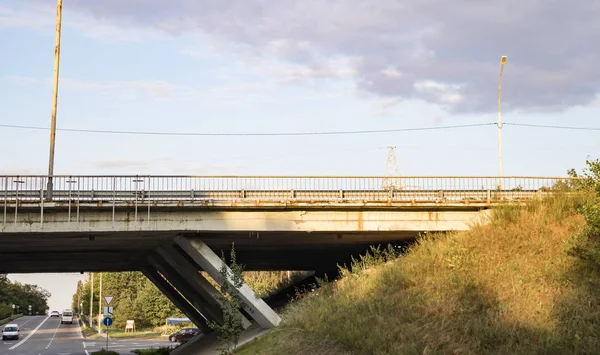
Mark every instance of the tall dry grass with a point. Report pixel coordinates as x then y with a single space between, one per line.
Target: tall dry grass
507 287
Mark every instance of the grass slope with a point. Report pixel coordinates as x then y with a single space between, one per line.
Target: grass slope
507 287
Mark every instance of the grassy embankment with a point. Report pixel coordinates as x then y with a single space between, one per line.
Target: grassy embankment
10 319
512 286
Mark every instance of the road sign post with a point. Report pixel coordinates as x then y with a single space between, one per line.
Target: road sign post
107 322
108 313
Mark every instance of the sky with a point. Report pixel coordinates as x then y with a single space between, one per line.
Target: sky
242 68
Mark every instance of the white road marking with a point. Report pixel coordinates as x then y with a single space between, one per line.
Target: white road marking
86 352
53 336
27 321
28 335
79 331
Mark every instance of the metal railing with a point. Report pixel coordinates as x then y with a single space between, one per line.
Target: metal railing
185 188
17 192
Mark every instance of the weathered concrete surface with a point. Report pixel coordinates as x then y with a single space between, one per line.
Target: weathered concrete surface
197 288
265 240
101 220
177 299
206 259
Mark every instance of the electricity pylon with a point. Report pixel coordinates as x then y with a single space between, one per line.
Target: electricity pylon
392 172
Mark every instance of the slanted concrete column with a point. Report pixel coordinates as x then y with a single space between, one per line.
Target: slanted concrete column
182 285
201 286
176 298
202 255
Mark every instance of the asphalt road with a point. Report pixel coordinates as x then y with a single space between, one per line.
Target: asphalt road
42 335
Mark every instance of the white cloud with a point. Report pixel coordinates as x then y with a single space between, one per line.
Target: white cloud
20 170
391 73
152 165
238 92
552 65
41 17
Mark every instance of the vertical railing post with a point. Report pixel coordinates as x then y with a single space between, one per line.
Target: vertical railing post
17 181
114 199
5 200
78 193
42 206
136 181
70 182
148 199
136 199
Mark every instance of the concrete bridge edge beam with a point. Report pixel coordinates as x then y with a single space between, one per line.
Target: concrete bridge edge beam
187 292
176 299
196 281
210 262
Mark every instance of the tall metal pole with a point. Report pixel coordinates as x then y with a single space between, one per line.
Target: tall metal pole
502 62
91 298
100 306
54 99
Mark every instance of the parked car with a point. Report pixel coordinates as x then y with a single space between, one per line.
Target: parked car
184 335
54 314
10 331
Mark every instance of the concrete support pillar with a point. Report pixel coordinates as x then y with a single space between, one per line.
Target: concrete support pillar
198 284
176 298
206 259
183 286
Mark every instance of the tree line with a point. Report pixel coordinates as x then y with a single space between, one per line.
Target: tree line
137 298
21 296
134 298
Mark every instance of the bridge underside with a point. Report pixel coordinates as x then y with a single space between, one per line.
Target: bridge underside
173 263
172 228
127 251
172 244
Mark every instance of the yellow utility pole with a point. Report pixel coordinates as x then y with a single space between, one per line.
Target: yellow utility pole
49 188
502 62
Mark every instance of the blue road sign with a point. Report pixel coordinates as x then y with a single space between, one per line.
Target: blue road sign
107 321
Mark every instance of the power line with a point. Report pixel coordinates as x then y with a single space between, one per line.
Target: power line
322 133
531 125
252 134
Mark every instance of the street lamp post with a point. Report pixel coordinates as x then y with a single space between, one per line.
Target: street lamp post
91 298
502 62
100 305
54 99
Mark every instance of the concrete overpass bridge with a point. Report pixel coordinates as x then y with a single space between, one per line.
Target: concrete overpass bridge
171 227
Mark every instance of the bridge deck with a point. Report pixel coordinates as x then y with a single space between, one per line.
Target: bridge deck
114 223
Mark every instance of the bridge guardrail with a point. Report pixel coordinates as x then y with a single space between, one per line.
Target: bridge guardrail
31 190
27 185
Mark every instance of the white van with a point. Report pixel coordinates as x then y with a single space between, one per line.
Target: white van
10 331
67 317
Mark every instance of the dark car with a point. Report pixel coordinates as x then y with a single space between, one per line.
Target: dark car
184 335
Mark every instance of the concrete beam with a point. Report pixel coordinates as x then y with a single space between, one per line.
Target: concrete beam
183 286
176 298
101 220
211 263
201 286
